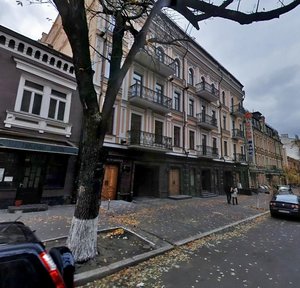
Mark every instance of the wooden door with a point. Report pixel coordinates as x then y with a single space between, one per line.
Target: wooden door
174 183
110 181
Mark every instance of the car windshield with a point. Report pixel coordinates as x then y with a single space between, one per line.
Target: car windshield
287 198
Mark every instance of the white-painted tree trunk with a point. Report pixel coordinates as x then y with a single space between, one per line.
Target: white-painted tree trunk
82 240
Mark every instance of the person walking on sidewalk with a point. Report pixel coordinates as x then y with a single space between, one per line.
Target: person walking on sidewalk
234 196
228 194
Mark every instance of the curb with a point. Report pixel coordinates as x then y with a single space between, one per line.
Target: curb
96 274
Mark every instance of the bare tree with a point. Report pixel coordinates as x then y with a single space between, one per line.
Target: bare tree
83 233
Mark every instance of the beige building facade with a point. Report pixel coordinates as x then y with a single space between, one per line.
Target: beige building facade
178 122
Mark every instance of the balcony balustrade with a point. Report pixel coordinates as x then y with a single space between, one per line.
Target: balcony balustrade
156 60
207 121
145 140
207 91
207 151
146 97
238 110
238 157
238 134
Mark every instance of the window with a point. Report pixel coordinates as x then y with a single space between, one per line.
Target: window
224 122
32 98
160 54
191 107
43 100
214 118
107 65
57 105
176 100
158 132
177 68
225 149
192 140
214 142
191 77
223 97
176 136
159 91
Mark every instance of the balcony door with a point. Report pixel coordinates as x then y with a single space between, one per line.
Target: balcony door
136 124
159 91
138 82
204 144
203 113
158 132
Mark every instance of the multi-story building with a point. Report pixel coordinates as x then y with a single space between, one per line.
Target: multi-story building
265 152
177 124
40 122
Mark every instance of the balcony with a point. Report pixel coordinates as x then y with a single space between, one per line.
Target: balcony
156 60
238 110
238 157
149 141
145 97
207 121
207 151
207 91
238 134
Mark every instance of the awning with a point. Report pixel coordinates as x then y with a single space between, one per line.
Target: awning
37 146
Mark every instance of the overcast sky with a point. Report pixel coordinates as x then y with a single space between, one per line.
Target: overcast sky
264 57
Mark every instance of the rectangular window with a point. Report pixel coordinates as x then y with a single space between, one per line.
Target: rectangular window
176 136
32 98
158 132
56 171
191 107
159 91
176 98
224 122
57 105
192 140
225 149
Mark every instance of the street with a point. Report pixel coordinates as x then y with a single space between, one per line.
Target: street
261 253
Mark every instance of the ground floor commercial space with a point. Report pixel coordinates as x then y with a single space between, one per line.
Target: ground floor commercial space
35 172
272 178
139 173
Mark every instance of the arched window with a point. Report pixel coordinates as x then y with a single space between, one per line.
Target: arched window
58 64
177 68
37 55
71 70
160 53
191 77
29 51
11 44
2 39
66 67
45 58
21 47
52 61
223 97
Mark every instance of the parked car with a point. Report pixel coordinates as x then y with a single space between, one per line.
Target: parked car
25 263
263 189
284 189
285 204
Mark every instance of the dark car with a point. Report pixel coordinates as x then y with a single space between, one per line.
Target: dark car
25 263
285 204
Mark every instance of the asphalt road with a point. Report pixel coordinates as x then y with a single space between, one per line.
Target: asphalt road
265 255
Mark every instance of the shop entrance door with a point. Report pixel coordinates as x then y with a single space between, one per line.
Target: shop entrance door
31 185
174 183
110 181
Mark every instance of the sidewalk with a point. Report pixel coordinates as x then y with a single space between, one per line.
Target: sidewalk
164 223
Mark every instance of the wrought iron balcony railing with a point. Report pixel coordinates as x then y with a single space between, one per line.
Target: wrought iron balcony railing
238 157
207 121
238 110
207 151
237 133
207 91
141 94
149 140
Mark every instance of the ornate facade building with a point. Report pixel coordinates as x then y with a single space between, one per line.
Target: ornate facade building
177 127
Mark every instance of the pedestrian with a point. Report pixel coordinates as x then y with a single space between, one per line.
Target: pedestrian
234 196
228 194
